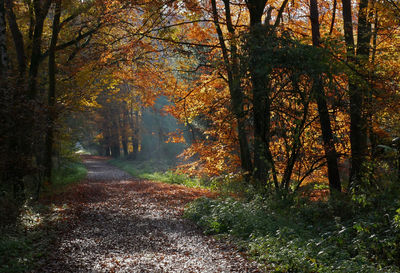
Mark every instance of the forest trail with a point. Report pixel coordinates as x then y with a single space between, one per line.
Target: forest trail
124 224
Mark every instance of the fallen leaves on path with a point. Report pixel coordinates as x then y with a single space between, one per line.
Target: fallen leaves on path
122 224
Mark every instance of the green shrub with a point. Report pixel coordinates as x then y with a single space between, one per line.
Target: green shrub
70 173
64 176
304 236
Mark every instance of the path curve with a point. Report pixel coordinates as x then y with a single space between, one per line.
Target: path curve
125 224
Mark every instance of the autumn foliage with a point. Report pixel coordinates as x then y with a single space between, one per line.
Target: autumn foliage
279 93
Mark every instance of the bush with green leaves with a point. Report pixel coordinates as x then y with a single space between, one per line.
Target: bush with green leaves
305 236
69 173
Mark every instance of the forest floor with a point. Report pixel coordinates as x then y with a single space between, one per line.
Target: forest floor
117 223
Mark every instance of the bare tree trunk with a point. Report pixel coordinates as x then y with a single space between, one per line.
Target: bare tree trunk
134 124
295 149
318 89
124 130
22 145
372 75
18 143
17 37
3 45
231 63
261 100
114 133
136 136
52 93
106 139
358 124
333 15
4 94
41 10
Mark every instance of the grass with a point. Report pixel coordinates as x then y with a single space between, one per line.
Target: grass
25 242
300 236
17 251
66 176
157 171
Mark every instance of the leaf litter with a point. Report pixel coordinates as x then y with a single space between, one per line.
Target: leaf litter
118 223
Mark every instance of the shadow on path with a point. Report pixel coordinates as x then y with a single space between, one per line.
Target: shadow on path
125 224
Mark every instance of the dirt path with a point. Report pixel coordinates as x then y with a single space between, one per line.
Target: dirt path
123 224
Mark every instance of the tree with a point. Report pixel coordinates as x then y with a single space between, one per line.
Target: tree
260 92
3 43
51 96
327 135
30 153
357 56
232 63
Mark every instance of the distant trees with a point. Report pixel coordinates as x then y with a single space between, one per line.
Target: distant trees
116 126
126 126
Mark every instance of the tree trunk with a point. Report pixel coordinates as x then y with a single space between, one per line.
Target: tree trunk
358 130
106 139
237 103
364 34
114 133
3 45
18 145
17 38
348 29
261 101
107 151
52 93
295 149
40 16
134 123
232 68
5 101
124 130
318 90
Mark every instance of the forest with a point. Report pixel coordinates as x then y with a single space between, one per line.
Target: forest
275 124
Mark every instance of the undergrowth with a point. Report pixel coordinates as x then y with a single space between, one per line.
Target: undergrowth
66 176
296 235
158 171
22 245
24 242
